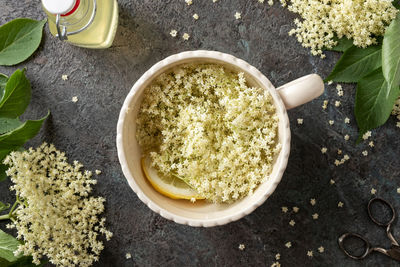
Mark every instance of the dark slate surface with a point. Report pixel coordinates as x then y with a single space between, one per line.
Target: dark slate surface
102 78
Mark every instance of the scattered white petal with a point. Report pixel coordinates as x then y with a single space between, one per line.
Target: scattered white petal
189 2
296 209
346 137
325 104
193 200
331 122
371 144
185 36
347 120
373 191
74 99
299 121
398 190
128 256
173 33
330 82
339 151
97 172
337 103
276 264
271 2
292 222
313 202
261 1
315 216
332 181
196 16
288 244
238 15
367 135
278 256
285 209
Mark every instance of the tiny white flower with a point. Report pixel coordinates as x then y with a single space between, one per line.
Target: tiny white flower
173 33
292 223
365 153
313 202
340 204
284 209
196 16
74 99
128 256
373 191
323 150
299 121
288 244
64 77
309 253
296 209
238 15
315 216
185 36
321 249
242 246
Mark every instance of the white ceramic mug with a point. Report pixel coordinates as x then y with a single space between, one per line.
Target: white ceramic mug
203 213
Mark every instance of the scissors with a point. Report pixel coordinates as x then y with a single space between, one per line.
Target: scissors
393 251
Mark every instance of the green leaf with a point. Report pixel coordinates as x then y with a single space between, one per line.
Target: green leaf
391 53
343 44
7 124
374 101
3 81
17 95
356 63
4 206
3 175
19 38
16 138
8 244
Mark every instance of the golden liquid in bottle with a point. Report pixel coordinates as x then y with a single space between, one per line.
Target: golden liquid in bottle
100 33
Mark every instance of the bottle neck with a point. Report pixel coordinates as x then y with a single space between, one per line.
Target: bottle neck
77 3
79 15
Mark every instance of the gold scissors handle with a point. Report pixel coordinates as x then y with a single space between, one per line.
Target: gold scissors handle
393 251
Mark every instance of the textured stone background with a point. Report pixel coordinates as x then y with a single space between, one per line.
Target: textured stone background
102 78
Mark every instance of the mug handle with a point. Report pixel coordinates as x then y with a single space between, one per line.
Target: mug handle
301 90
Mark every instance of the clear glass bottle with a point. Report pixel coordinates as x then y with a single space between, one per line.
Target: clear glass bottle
85 23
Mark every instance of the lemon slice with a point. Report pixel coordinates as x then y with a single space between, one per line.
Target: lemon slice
169 186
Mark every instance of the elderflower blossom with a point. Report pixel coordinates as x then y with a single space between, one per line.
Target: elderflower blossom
60 219
360 20
396 111
205 124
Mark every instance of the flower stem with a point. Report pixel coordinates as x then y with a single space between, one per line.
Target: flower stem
5 217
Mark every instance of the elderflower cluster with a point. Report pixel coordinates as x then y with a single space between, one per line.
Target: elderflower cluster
203 123
360 20
58 218
396 111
